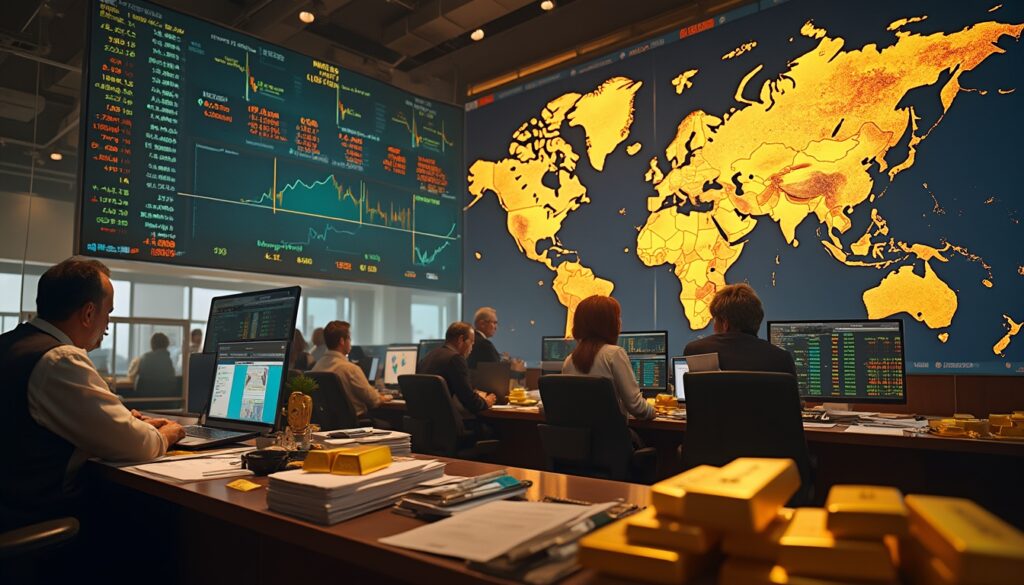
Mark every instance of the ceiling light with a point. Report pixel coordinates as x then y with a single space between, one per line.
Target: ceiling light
477 35
547 5
307 17
56 156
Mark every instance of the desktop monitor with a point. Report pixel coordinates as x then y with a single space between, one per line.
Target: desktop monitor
370 367
426 346
256 316
248 383
399 361
679 370
845 361
648 354
553 351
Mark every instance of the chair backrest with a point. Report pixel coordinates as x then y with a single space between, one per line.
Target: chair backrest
431 417
734 414
332 408
585 431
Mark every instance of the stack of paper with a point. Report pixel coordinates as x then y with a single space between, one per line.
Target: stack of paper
399 442
328 499
191 469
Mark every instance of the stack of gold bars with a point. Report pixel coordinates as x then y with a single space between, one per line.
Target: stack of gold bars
734 518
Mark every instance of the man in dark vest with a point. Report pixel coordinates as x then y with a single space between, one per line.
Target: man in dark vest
57 409
485 325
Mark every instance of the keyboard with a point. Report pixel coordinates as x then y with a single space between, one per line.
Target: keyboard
200 432
814 415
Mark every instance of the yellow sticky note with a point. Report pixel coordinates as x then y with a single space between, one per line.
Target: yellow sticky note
244 485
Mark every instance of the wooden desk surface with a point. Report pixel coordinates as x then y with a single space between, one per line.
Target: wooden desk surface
355 541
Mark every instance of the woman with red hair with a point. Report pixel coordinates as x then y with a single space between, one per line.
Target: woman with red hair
596 329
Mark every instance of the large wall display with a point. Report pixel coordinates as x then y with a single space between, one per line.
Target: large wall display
848 160
207 147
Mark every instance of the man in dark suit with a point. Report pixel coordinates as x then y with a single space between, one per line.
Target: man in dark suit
449 362
738 314
486 323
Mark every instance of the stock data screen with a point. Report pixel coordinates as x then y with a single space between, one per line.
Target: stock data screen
853 361
258 316
556 349
207 147
648 354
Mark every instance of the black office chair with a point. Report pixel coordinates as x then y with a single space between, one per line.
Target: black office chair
332 408
745 414
435 426
24 550
586 433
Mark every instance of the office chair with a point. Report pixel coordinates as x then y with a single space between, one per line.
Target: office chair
332 408
734 414
22 550
435 426
585 432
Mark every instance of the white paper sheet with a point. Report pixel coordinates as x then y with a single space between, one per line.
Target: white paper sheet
816 425
187 470
488 531
874 430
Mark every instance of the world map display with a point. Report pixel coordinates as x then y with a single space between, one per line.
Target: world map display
846 161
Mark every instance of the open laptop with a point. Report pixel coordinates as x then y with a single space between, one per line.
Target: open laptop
492 377
681 365
248 382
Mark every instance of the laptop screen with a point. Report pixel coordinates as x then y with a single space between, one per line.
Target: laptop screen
679 369
248 381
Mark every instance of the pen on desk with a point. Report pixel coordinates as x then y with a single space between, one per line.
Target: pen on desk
478 480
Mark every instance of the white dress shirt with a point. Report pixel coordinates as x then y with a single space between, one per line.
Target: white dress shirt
361 394
69 397
612 363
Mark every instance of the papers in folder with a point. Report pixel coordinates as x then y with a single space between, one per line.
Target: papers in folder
400 443
325 498
195 468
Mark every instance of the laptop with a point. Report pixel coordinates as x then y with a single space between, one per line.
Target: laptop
370 367
492 377
681 365
248 383
200 381
679 370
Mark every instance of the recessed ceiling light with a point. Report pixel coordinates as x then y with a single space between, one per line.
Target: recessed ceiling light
307 16
547 5
477 35
56 156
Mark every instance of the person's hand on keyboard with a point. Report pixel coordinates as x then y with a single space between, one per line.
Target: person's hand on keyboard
171 430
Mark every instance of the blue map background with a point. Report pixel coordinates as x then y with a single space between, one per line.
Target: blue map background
970 157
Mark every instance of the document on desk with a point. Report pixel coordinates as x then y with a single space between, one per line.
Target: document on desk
488 531
865 430
818 425
201 469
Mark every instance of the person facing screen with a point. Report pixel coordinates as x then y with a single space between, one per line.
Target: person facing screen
738 313
596 329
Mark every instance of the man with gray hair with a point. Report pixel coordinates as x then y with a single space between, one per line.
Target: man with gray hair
485 322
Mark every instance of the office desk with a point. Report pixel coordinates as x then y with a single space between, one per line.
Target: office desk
987 471
223 535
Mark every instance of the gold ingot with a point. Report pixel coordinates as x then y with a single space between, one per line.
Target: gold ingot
978 547
809 549
962 416
763 546
320 460
362 460
1014 431
666 401
865 511
920 566
978 426
647 528
1018 415
745 572
668 496
1000 420
608 551
743 496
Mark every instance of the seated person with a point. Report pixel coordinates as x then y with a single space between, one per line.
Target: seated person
152 373
195 341
738 314
318 343
485 323
338 343
58 410
299 359
449 362
596 327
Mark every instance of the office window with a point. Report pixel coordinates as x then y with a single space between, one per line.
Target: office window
122 298
10 284
320 311
201 299
426 321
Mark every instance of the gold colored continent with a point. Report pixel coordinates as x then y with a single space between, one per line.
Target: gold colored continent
684 80
575 282
1013 328
925 298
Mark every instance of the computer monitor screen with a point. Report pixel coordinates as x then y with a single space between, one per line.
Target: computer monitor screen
256 316
648 354
426 346
845 361
399 361
248 381
370 367
679 369
556 349
201 367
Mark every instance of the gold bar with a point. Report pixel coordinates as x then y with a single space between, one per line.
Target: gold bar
667 495
743 496
646 528
607 551
809 549
320 460
865 511
362 460
920 567
978 547
742 571
763 546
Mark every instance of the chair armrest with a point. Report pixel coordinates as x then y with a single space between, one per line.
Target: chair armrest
37 537
488 446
